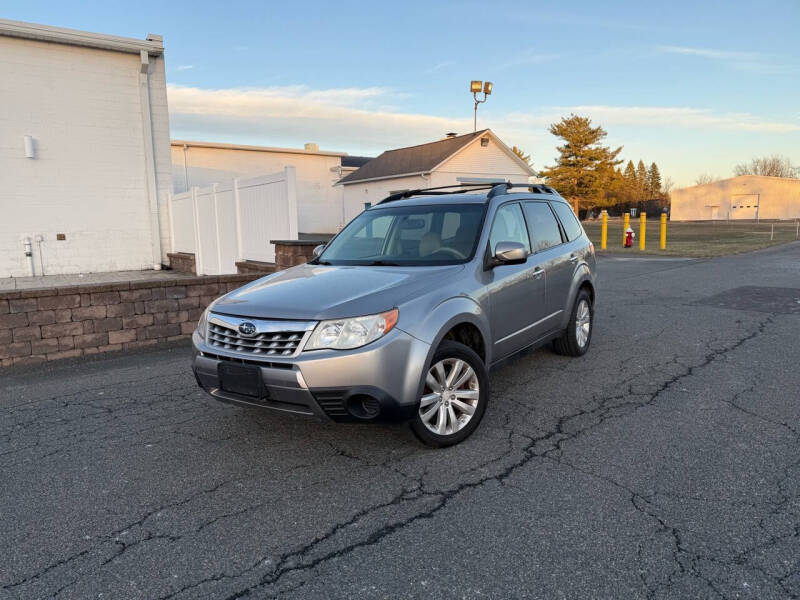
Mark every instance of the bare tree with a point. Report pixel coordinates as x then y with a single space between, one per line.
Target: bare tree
771 166
666 185
705 178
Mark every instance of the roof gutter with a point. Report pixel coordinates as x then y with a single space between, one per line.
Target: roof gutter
153 45
396 176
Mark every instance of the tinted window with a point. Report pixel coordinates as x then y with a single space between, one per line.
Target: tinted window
410 235
508 226
568 220
542 226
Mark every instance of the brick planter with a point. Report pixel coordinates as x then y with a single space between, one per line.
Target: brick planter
46 324
289 253
255 267
183 262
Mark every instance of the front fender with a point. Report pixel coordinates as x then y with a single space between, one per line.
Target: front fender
443 318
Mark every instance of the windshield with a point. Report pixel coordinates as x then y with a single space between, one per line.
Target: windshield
441 234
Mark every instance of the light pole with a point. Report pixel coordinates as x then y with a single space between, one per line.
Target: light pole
475 87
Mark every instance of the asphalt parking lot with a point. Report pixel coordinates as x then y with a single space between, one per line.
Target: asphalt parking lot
664 464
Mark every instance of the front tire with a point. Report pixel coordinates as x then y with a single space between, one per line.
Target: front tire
578 335
454 396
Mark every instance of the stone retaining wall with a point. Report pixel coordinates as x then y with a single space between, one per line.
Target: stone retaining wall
48 324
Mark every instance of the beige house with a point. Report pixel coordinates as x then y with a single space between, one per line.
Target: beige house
472 158
743 197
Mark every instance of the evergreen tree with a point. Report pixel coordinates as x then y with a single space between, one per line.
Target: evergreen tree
584 165
521 153
653 181
641 181
630 172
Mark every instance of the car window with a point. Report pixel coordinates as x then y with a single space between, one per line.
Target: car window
408 235
571 226
509 226
542 226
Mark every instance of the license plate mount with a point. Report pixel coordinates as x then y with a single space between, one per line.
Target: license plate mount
244 380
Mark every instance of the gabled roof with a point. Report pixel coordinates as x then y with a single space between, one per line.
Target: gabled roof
356 161
412 160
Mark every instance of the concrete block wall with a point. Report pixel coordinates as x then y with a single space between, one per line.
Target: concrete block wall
49 324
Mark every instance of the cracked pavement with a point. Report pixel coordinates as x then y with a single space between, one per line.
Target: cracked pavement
663 464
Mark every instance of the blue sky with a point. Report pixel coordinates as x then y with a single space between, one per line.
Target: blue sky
694 86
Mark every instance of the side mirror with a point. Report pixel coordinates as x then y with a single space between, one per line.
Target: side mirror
317 251
510 253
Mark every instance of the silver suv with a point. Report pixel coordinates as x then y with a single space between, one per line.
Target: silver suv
400 316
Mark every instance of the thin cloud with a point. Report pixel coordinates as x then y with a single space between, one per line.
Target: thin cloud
439 66
363 119
740 60
184 67
710 53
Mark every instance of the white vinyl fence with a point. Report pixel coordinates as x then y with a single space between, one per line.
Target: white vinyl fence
228 222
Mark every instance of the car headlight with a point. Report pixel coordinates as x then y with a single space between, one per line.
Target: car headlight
202 324
345 334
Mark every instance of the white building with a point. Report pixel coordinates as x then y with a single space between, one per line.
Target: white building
320 207
749 197
472 158
84 151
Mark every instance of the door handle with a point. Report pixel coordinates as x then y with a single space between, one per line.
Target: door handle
537 273
573 259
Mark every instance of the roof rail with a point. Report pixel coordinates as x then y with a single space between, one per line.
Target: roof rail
538 188
437 191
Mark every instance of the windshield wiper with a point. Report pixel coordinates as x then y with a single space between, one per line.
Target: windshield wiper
382 263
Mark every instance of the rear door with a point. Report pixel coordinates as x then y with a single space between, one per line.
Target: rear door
553 255
569 255
518 292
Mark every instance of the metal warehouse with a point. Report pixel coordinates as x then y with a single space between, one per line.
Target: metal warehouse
744 197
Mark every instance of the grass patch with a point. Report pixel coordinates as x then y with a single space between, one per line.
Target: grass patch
696 238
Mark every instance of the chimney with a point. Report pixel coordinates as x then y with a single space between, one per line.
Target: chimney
311 147
449 135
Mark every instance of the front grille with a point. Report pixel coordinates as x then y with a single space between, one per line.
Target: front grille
278 343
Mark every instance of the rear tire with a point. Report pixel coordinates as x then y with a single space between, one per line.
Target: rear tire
455 392
578 335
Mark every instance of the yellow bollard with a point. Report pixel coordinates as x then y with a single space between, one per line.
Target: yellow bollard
626 222
604 230
663 244
642 230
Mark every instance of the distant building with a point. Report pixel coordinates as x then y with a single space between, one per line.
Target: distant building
743 197
84 151
472 158
320 206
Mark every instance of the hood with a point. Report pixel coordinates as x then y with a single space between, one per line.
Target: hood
316 292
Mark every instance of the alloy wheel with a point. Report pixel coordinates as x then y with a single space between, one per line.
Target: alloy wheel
583 323
450 396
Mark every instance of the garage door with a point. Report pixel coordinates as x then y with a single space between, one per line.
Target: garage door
744 206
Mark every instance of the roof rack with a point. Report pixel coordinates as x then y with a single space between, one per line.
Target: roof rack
537 188
495 189
438 191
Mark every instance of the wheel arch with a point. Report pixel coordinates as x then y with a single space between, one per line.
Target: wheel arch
456 318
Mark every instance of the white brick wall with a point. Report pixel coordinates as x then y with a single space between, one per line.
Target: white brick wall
88 180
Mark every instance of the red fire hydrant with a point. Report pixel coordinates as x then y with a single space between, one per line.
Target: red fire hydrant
629 235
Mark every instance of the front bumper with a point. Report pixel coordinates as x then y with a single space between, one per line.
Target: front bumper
378 382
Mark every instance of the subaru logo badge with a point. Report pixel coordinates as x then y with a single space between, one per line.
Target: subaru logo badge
247 328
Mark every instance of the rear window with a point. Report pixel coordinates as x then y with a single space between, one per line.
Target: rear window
542 226
571 226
